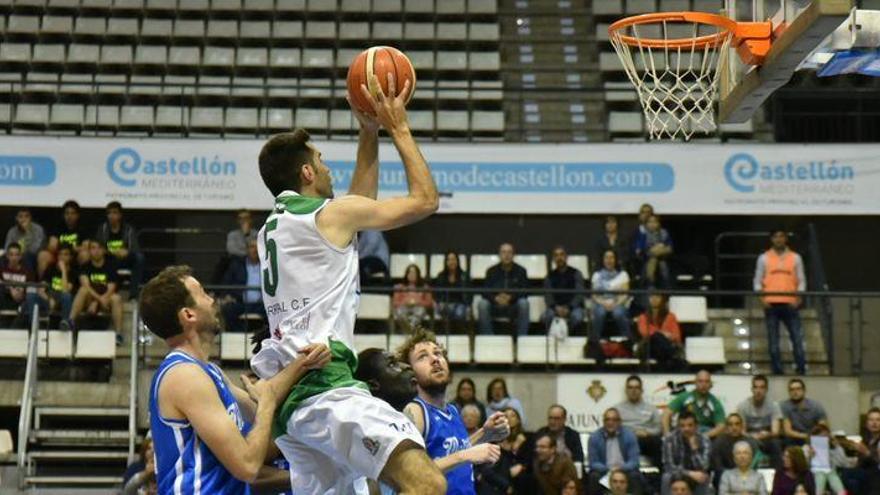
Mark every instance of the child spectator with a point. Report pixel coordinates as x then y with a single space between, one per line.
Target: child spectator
654 249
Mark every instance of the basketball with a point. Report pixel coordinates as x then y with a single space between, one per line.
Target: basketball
379 60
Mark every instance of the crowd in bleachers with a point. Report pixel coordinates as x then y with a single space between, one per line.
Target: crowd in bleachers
694 446
81 273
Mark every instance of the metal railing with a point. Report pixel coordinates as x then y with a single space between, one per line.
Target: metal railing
745 324
27 394
133 385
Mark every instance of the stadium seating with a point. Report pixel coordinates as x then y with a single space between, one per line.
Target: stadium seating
247 43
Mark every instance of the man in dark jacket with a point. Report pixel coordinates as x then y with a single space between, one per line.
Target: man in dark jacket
613 447
120 240
569 307
568 441
497 302
243 272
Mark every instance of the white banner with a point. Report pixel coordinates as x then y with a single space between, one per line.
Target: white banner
476 178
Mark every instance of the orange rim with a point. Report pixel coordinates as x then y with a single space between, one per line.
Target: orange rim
727 28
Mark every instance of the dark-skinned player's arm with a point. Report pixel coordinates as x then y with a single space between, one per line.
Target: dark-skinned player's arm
188 393
365 180
313 356
342 218
271 479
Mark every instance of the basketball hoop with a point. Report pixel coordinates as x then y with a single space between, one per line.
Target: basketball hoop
674 59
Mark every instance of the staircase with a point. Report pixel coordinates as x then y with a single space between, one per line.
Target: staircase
67 442
746 346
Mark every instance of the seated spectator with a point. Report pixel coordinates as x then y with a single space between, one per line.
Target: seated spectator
705 407
800 414
742 479
497 399
517 443
551 470
497 302
610 278
722 457
29 236
243 272
140 476
613 447
569 307
69 233
686 456
452 306
466 394
470 416
661 335
825 471
120 240
61 279
16 297
654 249
618 482
373 256
762 418
643 419
795 471
865 477
237 240
609 241
568 441
412 299
98 284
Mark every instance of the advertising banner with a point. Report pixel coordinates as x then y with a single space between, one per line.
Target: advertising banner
676 178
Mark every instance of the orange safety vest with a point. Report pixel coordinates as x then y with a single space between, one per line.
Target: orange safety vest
779 276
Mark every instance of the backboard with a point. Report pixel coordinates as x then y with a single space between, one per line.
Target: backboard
799 28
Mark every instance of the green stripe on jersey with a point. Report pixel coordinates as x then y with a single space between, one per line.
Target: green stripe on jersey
338 373
298 205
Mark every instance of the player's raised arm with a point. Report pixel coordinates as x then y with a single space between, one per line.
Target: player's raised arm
351 213
365 180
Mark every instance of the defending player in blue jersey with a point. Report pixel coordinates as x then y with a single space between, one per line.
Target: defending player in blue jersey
439 422
209 436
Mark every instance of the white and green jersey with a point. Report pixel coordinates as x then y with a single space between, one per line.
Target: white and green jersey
310 290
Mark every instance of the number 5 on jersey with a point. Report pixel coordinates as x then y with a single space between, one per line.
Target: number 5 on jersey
270 280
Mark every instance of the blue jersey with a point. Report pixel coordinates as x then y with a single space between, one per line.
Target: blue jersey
445 434
185 465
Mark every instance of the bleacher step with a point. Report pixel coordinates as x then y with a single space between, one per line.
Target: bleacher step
79 437
73 480
78 454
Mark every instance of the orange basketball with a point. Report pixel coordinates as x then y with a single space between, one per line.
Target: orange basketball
379 60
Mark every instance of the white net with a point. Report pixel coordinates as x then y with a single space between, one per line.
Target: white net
677 83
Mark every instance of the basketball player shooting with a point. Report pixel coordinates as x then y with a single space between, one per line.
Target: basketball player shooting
331 430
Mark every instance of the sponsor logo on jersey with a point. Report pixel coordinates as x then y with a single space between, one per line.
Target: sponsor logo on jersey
371 445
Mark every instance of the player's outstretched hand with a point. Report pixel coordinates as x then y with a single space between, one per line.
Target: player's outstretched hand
390 109
484 453
315 356
259 390
496 428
